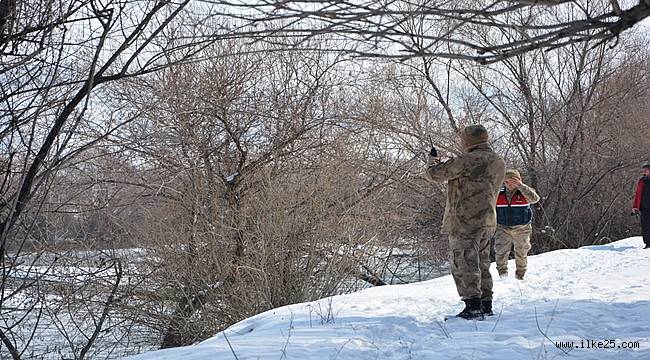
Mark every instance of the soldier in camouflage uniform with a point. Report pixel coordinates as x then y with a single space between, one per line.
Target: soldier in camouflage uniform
473 182
514 217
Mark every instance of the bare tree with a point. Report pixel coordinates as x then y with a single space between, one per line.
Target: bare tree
252 206
54 58
548 109
248 176
383 28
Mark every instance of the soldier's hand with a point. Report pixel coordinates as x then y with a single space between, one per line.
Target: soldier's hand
635 211
432 160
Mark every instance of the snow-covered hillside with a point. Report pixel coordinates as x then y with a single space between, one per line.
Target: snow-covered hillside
596 297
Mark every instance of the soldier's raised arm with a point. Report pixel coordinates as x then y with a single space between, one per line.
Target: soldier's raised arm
529 193
447 170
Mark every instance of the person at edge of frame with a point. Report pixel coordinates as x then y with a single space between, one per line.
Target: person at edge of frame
641 205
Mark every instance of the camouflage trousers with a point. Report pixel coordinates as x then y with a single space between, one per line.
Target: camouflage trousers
469 260
507 237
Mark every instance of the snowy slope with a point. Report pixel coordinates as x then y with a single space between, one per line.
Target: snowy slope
598 293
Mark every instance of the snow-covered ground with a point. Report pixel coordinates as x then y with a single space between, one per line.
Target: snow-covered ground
596 297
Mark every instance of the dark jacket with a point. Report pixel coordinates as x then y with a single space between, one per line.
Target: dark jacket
514 212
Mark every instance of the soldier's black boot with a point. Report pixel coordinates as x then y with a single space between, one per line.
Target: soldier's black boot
486 306
472 310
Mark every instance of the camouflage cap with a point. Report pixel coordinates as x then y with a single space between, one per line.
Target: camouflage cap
513 174
474 135
646 165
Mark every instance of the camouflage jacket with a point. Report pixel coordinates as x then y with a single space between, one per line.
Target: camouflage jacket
473 183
